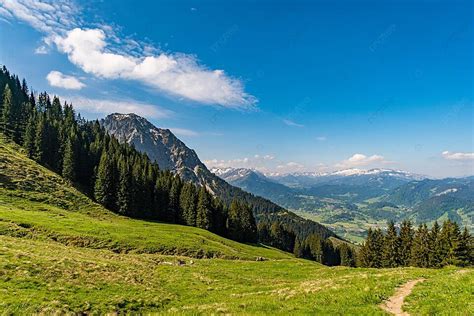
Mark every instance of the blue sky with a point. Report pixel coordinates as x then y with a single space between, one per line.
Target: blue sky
278 86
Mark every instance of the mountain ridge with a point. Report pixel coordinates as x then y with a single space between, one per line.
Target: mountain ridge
163 147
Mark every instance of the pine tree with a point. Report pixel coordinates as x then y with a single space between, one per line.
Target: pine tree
435 257
241 223
371 251
187 204
29 141
420 254
316 248
6 112
104 188
406 241
463 255
173 204
346 254
391 248
40 139
124 194
69 160
449 242
203 211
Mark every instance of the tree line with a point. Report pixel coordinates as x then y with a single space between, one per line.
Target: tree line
421 247
115 175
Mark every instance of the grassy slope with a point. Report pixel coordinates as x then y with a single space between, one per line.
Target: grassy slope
36 202
49 262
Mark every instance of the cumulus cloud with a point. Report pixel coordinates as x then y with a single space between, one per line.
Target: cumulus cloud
60 80
107 106
292 123
358 160
99 51
176 74
458 156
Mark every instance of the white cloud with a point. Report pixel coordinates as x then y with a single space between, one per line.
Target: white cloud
457 156
176 74
49 17
60 80
101 52
41 50
321 138
358 160
291 123
107 106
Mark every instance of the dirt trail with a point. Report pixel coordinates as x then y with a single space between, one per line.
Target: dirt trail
394 304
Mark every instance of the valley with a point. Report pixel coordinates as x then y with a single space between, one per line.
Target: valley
351 201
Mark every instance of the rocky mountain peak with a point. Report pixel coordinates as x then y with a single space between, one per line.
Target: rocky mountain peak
161 145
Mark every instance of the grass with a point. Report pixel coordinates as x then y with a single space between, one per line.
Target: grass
62 253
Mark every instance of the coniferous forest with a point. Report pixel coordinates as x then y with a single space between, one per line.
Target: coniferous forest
113 174
421 247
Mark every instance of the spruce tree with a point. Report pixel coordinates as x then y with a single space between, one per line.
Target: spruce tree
104 188
187 204
435 257
241 223
40 139
420 254
173 204
449 242
29 141
203 211
124 194
463 255
406 241
346 254
6 112
391 248
69 160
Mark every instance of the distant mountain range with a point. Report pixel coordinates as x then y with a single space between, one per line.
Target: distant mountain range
163 147
360 198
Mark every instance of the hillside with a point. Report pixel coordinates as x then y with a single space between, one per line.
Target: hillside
37 203
62 253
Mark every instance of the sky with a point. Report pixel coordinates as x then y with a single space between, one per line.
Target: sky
278 86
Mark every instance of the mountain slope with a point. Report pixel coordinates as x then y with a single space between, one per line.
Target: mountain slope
36 203
159 143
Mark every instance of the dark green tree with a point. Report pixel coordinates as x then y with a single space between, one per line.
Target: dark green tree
187 204
125 190
69 160
241 224
420 254
347 255
406 241
30 131
203 211
104 188
391 248
6 112
436 256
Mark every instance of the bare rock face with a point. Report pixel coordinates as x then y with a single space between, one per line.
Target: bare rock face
161 145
